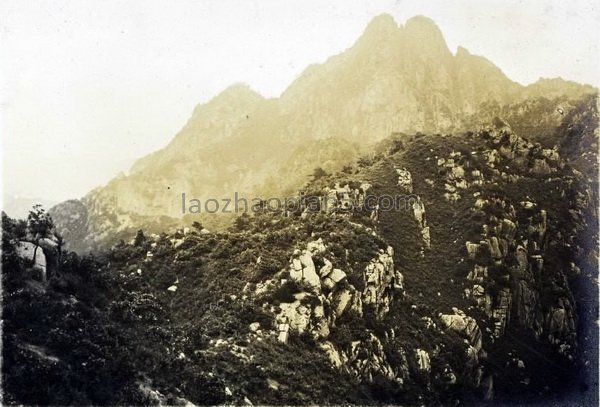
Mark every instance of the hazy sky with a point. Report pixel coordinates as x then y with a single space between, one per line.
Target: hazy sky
88 86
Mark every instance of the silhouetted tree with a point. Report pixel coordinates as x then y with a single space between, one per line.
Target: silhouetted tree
140 239
319 173
40 225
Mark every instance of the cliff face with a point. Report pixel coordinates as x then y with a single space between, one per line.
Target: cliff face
394 79
502 214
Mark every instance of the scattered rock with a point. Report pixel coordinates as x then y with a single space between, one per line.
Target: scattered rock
423 361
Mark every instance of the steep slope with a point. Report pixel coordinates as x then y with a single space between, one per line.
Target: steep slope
209 124
393 79
481 284
396 79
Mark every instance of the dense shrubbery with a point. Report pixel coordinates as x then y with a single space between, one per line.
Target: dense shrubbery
58 347
115 327
85 338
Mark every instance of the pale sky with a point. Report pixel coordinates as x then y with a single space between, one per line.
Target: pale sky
87 87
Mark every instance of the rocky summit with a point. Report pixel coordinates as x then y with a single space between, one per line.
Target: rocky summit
478 285
394 79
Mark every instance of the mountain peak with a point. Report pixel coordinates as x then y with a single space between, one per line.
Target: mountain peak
382 25
236 94
419 32
462 52
421 22
424 31
239 90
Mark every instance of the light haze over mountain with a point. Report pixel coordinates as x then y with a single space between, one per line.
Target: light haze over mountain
441 248
87 90
394 79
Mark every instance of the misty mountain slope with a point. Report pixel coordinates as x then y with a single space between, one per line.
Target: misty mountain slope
393 79
482 286
210 123
397 79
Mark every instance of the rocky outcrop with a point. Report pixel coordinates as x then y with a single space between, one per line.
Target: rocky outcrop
527 312
303 269
479 273
382 282
405 180
423 360
305 314
426 237
501 312
500 242
34 257
513 240
560 322
344 299
419 212
364 359
344 198
367 358
326 296
52 248
457 178
465 326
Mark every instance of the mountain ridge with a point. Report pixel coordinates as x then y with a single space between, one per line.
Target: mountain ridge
478 289
393 79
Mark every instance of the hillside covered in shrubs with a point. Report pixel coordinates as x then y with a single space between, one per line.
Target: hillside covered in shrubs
481 286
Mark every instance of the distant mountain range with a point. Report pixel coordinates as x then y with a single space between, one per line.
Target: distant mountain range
394 79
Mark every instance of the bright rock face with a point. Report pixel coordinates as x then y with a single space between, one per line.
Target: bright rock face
405 180
27 251
419 212
464 325
423 360
364 359
328 297
381 279
331 278
297 314
425 235
302 266
367 358
344 299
